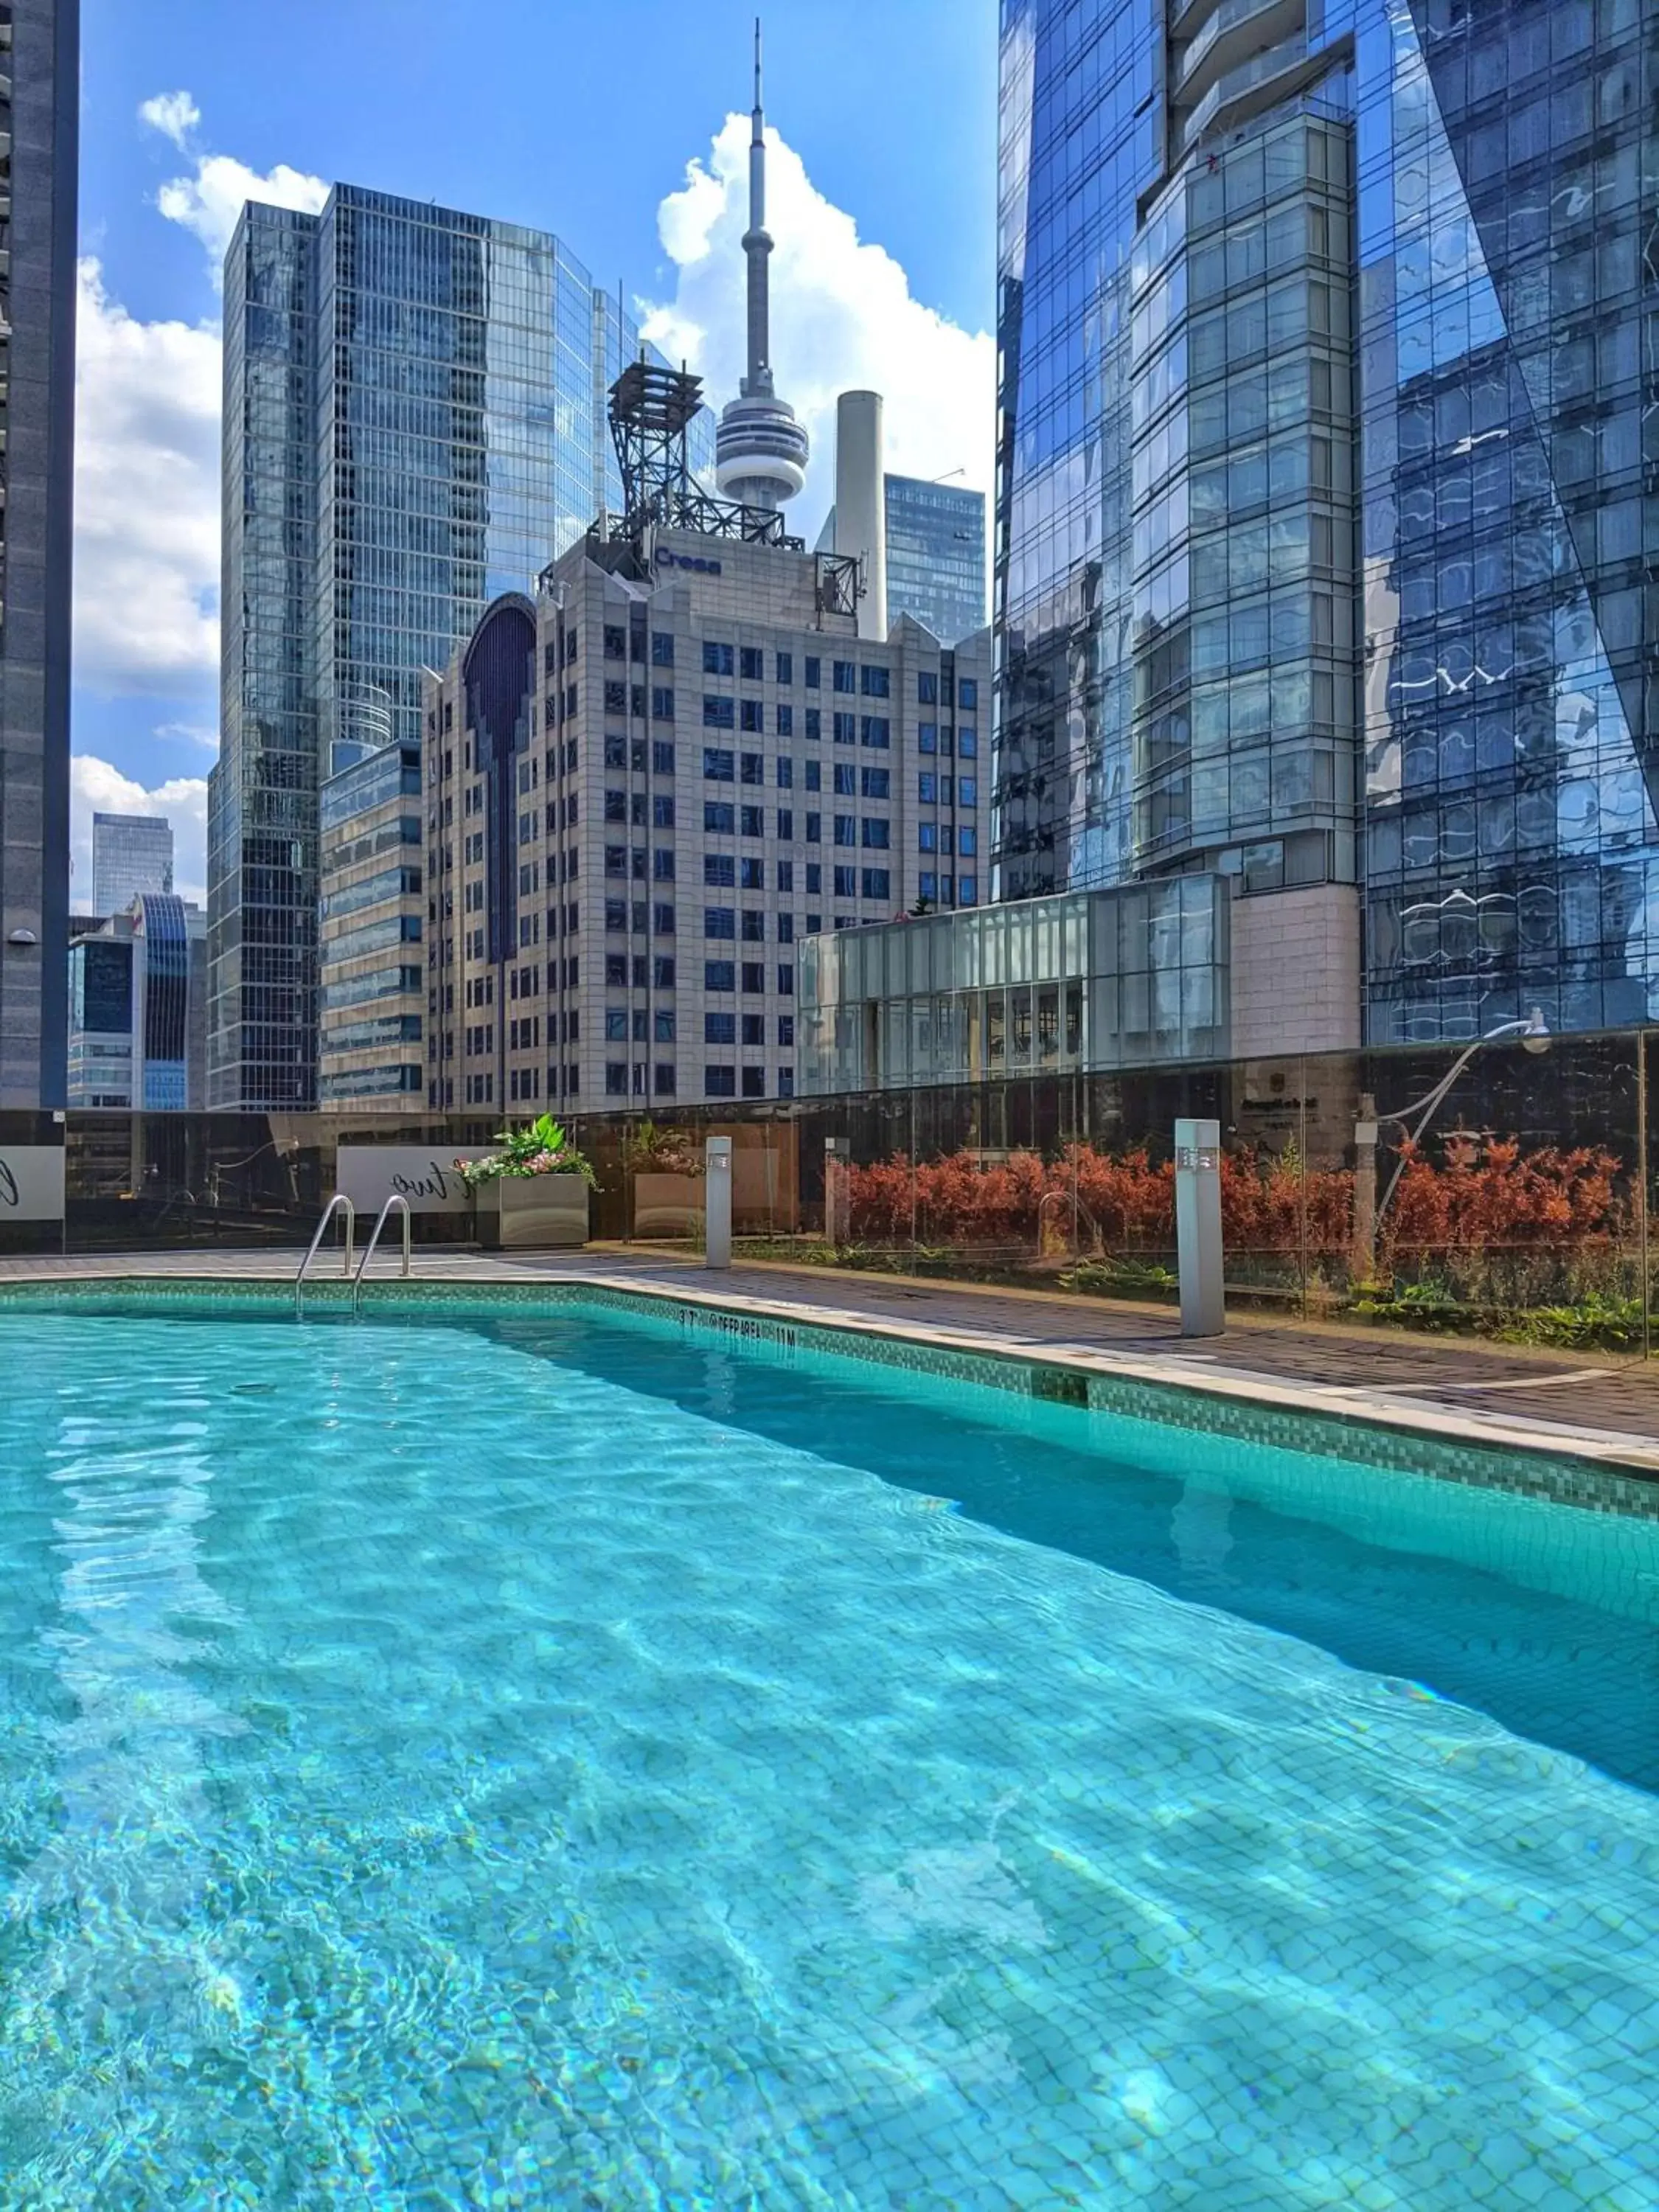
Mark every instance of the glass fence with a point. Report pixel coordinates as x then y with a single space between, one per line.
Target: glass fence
1503 1191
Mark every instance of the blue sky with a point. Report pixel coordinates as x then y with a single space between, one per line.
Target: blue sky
580 120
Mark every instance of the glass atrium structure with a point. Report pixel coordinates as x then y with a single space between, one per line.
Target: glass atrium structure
1320 545
414 422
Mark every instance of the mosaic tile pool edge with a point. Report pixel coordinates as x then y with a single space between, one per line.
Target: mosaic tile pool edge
1542 1470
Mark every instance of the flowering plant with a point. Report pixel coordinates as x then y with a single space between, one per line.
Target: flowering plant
542 1147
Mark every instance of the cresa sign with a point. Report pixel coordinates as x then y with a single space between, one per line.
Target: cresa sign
31 1183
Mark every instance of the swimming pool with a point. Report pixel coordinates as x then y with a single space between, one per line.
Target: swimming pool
540 1759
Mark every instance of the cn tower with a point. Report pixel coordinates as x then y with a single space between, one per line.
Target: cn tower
760 450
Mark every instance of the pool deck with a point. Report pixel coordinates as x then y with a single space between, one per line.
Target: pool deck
1597 1406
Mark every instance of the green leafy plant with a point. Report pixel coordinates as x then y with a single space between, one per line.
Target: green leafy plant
541 1148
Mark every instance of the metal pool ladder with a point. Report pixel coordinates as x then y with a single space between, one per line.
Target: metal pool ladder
401 1205
341 1203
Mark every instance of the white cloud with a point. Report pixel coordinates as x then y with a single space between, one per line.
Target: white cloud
843 319
209 201
96 788
146 498
175 114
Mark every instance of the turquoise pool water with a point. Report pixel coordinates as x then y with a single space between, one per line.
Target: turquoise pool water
541 1762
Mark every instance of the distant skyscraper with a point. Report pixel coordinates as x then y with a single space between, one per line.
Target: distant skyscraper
935 556
136 1009
414 422
1323 557
130 854
39 95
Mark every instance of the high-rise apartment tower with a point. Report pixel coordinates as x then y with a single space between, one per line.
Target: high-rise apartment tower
414 421
40 97
1321 556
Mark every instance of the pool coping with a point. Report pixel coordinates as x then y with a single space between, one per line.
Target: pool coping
1602 1471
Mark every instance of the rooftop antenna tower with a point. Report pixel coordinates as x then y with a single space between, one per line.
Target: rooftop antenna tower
760 450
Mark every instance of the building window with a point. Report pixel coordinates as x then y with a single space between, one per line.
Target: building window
720 1029
786 1083
810 675
719 922
615 971
875 682
663 1079
662 648
754 978
847 829
616 696
662 866
754 926
615 916
814 830
967 891
615 643
616 1078
814 725
928 737
785 929
662 972
785 667
926 788
845 676
718 713
751 664
717 658
845 778
875 783
786 721
754 1083
720 817
615 1024
662 759
720 1082
786 870
967 743
720 975
967 791
878 883
751 767
662 811
786 982
785 774
875 833
876 731
662 920
968 692
927 689
751 875
967 843
927 838
846 883
718 766
786 823
719 870
753 717
662 703
751 822
846 729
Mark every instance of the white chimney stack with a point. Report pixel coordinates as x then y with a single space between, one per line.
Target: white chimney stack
861 502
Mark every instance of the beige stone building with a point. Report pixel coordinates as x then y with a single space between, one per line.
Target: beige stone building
644 790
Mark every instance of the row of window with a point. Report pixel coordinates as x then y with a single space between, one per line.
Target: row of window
748 664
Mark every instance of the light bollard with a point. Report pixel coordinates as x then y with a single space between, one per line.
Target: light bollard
717 1201
1198 1227
837 1191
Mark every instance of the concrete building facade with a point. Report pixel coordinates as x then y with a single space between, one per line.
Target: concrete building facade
40 98
646 788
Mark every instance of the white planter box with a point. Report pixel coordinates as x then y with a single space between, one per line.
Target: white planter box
517 1213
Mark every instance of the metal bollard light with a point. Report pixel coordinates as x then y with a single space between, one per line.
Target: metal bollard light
717 1200
1198 1227
837 1191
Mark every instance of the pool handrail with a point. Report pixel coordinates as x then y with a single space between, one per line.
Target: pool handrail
401 1203
338 1202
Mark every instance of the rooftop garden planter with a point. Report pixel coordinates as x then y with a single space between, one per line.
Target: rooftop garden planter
532 1193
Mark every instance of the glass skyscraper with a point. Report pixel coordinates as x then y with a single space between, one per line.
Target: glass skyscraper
414 424
1321 558
130 854
936 556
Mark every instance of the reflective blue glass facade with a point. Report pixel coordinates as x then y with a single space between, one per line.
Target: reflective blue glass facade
414 422
935 556
1321 553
